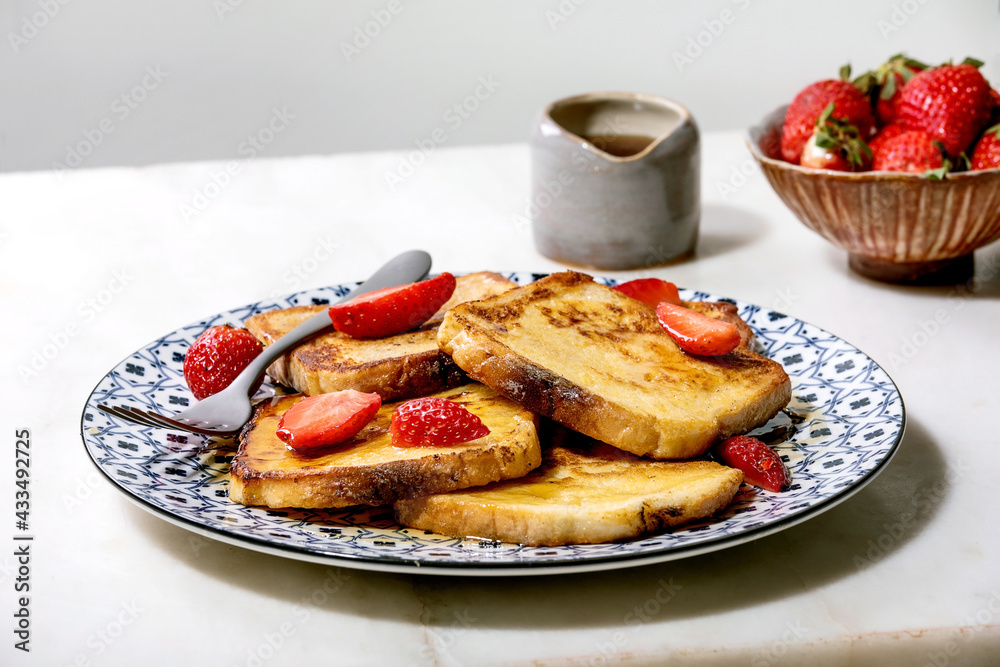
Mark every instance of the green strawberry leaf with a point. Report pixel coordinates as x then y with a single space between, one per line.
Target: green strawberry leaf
939 173
889 89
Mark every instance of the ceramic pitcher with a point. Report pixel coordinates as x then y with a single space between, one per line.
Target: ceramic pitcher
615 181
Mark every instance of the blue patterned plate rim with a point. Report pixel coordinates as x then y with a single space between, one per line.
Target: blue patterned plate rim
842 427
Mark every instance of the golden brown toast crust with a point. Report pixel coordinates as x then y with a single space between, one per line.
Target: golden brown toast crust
402 366
368 469
600 362
579 495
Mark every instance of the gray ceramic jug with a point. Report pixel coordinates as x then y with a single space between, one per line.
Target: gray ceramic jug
615 181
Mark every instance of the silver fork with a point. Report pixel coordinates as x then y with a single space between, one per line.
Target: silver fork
225 413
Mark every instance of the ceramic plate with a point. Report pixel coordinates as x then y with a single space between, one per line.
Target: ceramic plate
843 424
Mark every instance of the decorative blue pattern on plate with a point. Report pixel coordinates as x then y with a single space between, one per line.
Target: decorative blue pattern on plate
842 426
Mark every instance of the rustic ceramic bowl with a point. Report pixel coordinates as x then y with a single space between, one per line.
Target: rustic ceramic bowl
900 228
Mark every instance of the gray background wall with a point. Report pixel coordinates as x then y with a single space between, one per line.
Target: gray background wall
91 83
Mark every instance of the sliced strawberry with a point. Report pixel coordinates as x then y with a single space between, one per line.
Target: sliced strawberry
327 419
216 357
651 291
761 465
696 333
392 310
434 422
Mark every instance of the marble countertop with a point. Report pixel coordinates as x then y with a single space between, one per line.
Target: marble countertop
97 263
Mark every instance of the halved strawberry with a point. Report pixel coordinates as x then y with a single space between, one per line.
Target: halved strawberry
392 310
216 357
434 422
327 419
651 291
696 333
761 465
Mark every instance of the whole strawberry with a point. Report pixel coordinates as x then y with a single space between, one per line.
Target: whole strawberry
986 154
836 145
885 83
850 105
217 356
952 103
912 151
887 132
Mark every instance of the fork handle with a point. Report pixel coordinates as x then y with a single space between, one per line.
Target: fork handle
408 267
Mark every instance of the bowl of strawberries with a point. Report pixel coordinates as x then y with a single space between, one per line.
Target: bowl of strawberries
899 166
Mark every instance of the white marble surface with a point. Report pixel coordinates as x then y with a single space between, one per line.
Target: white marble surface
94 264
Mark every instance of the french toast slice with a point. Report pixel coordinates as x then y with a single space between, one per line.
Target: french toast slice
600 363
407 365
583 493
369 470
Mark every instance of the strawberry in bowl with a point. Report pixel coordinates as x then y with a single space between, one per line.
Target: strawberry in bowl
909 195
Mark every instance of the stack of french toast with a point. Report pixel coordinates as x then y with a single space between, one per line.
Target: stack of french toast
598 421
